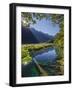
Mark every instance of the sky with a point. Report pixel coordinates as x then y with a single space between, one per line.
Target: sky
46 26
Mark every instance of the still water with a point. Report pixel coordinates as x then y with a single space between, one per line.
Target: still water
42 57
46 56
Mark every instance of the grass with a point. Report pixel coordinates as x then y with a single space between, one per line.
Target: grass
37 46
27 56
27 48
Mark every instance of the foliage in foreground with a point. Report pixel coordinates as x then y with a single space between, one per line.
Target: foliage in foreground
58 41
28 48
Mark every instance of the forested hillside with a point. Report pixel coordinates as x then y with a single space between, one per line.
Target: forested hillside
57 42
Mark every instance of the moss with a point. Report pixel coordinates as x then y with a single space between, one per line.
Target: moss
26 59
26 50
25 55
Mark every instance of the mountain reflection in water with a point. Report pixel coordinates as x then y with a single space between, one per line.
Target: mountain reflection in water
43 58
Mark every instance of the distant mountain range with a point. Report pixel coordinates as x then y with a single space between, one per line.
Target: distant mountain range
30 35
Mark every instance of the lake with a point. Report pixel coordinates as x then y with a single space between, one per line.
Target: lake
48 55
45 58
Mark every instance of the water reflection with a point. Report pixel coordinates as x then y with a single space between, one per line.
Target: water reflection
42 57
48 55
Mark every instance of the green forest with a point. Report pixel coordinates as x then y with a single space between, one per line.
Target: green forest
57 43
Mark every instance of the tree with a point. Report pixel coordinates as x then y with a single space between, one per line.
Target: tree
28 18
31 18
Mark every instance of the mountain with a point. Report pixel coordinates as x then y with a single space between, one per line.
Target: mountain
30 35
41 37
27 36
